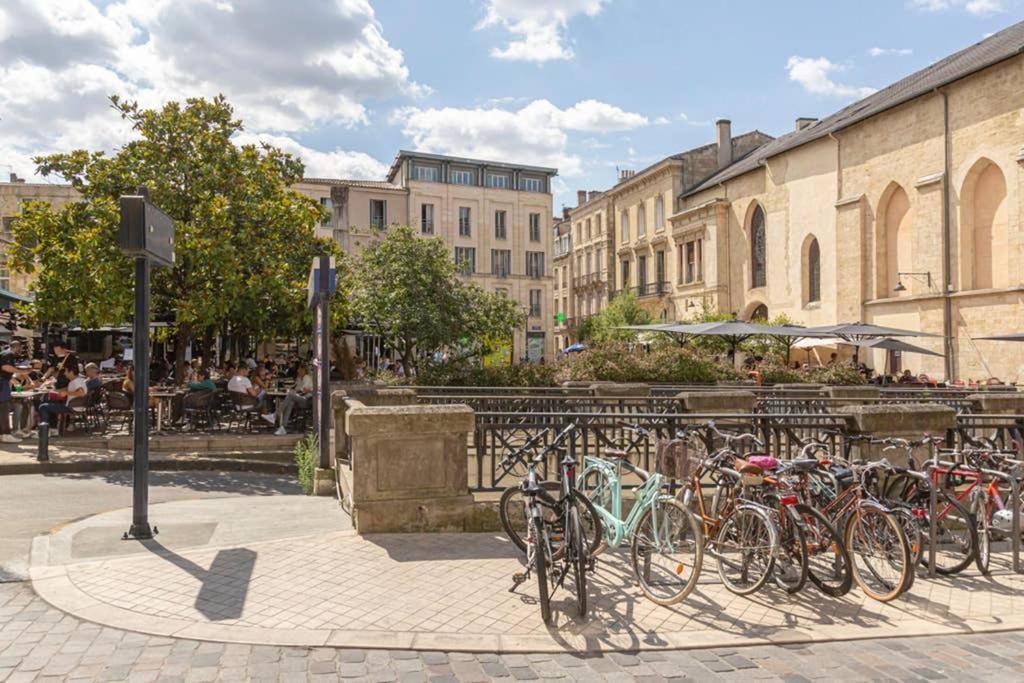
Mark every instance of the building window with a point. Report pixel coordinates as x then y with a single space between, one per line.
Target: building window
5 273
328 206
535 264
760 313
497 180
501 262
535 227
758 264
659 269
465 230
625 227
589 233
692 269
625 274
378 213
535 296
641 273
527 184
813 272
641 220
587 271
427 219
597 219
499 225
460 177
659 212
428 173
598 261
465 260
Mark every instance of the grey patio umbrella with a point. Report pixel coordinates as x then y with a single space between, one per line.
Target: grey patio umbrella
1018 337
859 331
654 327
896 345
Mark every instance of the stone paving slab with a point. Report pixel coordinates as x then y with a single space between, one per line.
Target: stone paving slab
449 592
39 643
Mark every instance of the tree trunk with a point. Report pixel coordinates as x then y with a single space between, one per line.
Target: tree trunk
346 364
184 336
207 347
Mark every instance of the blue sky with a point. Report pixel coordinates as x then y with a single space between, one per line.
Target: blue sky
585 85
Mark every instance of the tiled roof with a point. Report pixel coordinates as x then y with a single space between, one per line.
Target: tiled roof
994 49
365 184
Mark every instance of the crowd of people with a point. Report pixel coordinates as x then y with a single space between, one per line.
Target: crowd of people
62 384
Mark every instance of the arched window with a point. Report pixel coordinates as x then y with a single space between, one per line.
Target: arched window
641 220
984 226
625 226
813 271
758 262
659 212
759 313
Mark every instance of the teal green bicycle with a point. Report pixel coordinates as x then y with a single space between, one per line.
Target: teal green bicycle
666 542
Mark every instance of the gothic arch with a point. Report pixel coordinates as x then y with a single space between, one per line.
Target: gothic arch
810 268
757 236
984 229
895 243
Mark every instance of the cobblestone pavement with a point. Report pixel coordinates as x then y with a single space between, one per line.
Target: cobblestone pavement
38 642
398 592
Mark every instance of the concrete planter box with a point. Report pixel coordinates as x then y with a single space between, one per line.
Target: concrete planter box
717 401
1001 403
624 389
908 421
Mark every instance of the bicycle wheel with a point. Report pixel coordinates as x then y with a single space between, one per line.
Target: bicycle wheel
667 552
745 549
879 554
514 516
790 571
541 562
578 558
957 540
828 563
979 511
911 527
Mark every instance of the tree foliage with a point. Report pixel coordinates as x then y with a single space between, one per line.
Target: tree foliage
406 289
244 240
603 327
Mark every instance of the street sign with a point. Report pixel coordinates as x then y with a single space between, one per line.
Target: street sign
147 234
146 230
323 282
560 317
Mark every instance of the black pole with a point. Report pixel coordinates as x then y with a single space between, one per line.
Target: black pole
140 343
324 394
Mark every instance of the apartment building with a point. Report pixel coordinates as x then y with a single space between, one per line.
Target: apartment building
562 270
496 217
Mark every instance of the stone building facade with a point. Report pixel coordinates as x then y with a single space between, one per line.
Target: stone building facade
562 272
904 209
496 217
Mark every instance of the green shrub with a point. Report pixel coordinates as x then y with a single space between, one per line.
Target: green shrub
307 453
834 374
622 362
775 373
467 373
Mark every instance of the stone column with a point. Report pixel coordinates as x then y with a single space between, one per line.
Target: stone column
409 467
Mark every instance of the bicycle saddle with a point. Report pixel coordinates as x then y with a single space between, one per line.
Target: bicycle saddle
747 467
765 462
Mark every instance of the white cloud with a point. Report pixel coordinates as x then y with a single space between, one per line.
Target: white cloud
662 121
287 67
536 134
537 26
813 74
895 51
980 8
334 164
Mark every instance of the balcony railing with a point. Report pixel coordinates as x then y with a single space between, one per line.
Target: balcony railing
590 280
645 290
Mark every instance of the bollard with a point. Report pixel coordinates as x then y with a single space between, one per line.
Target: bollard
43 455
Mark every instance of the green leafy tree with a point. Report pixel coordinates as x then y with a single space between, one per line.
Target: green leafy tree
244 240
603 327
407 290
776 349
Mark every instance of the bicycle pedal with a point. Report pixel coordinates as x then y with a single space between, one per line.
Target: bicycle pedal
518 579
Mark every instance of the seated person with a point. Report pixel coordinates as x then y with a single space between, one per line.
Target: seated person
202 381
300 395
75 388
906 378
63 357
241 384
128 386
92 377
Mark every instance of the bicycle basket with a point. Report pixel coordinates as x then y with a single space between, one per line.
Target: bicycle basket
674 460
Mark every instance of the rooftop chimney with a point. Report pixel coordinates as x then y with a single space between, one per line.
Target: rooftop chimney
724 142
593 194
625 174
16 179
565 213
804 122
581 197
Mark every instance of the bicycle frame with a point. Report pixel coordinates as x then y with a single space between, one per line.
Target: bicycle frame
617 529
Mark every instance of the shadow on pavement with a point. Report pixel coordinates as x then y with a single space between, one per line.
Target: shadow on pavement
247 483
434 547
225 584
